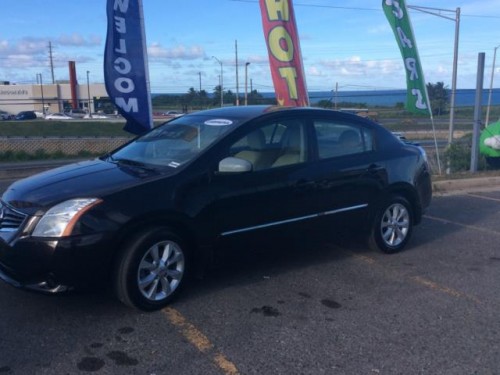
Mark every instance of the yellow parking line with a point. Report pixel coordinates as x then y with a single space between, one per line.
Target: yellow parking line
199 340
227 366
483 197
419 280
485 230
444 289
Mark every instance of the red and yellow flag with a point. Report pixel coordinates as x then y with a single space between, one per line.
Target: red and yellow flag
280 31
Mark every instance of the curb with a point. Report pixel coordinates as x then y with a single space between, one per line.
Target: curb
460 186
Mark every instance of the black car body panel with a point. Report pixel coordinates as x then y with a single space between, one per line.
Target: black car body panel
202 204
94 177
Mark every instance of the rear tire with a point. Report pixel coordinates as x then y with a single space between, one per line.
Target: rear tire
393 225
151 269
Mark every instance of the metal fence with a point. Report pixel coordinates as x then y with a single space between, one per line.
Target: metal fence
66 145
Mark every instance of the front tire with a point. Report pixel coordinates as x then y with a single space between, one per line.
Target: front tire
151 269
393 226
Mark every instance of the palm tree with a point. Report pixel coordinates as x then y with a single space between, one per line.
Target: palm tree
438 96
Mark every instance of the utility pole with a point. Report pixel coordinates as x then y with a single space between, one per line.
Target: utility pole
246 83
221 81
51 59
491 86
477 113
336 93
237 81
88 93
41 89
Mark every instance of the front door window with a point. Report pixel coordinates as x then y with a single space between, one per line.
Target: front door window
273 145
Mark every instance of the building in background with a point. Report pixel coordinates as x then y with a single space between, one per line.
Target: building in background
58 97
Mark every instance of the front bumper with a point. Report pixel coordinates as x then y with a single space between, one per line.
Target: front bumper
49 285
56 265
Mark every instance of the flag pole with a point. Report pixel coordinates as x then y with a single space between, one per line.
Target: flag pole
146 64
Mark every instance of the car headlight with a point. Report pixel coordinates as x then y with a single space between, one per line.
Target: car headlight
60 219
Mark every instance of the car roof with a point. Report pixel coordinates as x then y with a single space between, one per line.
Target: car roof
246 113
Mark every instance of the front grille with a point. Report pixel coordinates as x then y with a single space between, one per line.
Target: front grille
10 219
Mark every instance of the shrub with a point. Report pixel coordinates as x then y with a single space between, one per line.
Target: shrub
458 155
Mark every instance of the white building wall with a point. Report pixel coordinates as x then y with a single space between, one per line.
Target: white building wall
17 98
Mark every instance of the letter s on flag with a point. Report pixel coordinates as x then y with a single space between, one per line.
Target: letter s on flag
416 95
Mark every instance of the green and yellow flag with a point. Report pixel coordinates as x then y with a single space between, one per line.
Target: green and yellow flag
417 100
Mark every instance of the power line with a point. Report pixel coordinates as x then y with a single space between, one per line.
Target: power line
357 8
315 5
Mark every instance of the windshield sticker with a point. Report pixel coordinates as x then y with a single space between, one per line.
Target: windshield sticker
173 164
218 122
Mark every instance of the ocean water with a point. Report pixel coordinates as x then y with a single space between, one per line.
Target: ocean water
463 97
389 98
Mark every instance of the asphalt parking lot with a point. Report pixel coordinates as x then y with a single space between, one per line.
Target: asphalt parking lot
304 307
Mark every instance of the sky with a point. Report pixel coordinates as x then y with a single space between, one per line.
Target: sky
345 45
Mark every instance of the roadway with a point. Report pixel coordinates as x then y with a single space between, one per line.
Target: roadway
301 307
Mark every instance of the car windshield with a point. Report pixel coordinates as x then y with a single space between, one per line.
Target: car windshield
176 142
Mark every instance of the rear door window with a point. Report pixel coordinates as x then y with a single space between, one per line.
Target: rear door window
336 139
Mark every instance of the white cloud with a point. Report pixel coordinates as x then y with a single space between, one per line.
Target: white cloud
485 7
33 52
379 29
355 66
313 71
29 45
78 40
19 61
258 59
180 52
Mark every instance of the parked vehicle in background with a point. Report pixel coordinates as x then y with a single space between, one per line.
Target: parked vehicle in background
58 116
5 116
95 116
147 214
362 112
167 114
75 113
26 115
400 135
173 113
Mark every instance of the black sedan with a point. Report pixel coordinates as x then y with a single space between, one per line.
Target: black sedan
149 213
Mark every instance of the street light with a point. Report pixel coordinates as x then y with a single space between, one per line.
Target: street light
246 83
491 85
88 92
221 81
439 12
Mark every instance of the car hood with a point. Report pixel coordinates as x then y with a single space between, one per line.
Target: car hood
93 178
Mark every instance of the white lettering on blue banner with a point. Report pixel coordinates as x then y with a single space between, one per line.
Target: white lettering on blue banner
125 64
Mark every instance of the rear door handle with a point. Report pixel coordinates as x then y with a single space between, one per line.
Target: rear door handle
303 185
374 168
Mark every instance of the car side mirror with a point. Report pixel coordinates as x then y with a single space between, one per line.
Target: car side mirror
234 165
